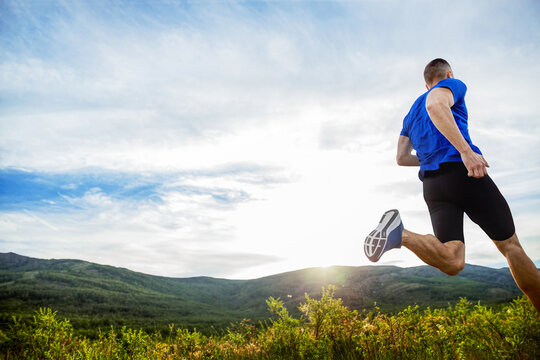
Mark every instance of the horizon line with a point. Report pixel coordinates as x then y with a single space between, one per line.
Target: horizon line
261 277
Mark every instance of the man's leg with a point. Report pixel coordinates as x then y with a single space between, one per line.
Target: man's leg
523 269
449 257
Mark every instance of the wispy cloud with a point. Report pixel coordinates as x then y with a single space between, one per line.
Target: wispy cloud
40 220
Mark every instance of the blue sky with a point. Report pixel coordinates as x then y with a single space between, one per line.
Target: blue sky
245 138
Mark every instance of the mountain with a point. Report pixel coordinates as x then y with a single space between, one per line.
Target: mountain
93 295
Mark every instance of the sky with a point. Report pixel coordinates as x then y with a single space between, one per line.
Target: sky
239 139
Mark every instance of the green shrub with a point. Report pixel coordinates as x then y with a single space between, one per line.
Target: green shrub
325 330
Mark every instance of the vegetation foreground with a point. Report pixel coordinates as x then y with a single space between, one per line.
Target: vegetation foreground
326 330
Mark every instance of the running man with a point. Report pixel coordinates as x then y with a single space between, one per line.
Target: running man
455 181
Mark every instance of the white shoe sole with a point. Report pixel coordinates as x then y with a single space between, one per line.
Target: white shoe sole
375 242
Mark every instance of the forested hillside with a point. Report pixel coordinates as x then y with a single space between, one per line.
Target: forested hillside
94 296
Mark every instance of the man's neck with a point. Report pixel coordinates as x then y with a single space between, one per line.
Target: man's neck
435 82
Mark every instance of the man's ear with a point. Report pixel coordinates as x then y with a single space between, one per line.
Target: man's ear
427 86
449 74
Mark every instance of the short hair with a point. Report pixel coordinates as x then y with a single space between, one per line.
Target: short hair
436 69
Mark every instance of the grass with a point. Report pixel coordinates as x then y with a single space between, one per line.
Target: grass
325 330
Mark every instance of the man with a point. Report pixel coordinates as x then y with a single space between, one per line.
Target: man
455 181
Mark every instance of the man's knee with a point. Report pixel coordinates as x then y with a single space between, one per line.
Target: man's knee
454 267
455 258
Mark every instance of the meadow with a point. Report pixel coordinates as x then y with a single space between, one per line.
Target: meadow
325 329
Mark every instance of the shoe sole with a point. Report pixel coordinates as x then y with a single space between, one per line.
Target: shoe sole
376 240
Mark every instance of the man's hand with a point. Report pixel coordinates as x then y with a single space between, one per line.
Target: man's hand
475 164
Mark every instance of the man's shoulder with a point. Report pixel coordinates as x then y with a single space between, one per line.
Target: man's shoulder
456 86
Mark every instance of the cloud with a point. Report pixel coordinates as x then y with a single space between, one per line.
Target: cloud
90 185
199 263
402 188
40 220
107 195
133 219
142 82
264 126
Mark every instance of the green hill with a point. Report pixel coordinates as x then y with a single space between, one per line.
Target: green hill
93 295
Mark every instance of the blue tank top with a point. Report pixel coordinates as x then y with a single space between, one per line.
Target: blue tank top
431 147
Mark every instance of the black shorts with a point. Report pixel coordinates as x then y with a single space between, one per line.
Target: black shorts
449 193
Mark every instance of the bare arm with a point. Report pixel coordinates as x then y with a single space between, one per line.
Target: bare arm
438 105
404 155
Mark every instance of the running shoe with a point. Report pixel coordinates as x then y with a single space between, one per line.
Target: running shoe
385 237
